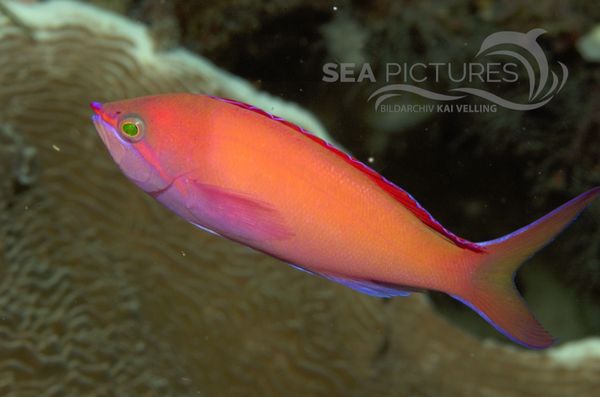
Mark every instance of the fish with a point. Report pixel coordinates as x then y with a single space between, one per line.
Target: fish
249 176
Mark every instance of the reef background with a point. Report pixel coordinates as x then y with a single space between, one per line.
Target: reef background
106 293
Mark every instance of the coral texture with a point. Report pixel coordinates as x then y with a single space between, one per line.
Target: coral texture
105 293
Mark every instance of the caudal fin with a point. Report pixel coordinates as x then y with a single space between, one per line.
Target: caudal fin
492 292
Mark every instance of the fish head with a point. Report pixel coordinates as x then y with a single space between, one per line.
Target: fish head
130 138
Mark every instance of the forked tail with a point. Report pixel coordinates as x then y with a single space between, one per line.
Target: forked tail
491 291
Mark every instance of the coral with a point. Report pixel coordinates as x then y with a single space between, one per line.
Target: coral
103 292
345 39
589 45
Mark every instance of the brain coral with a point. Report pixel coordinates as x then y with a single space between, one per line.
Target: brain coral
105 293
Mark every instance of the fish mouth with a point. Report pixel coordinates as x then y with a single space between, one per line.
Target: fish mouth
98 122
100 128
106 125
106 129
96 107
101 113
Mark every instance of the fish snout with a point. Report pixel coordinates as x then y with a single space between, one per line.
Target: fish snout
96 107
105 113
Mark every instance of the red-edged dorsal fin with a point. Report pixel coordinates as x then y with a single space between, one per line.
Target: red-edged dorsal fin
402 196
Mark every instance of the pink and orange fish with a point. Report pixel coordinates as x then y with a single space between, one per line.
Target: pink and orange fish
254 178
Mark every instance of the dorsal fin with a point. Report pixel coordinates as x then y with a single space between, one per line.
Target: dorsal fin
402 196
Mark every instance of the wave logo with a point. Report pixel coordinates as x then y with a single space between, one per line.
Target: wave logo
544 83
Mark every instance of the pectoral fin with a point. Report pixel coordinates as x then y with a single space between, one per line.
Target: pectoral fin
234 215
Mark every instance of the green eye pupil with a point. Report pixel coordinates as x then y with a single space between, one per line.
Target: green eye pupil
130 129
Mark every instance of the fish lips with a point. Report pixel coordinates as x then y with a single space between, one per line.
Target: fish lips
116 146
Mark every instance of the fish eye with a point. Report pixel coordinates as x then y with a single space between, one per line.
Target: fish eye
131 128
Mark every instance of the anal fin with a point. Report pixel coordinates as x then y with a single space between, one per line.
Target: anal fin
369 287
